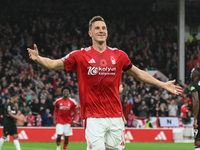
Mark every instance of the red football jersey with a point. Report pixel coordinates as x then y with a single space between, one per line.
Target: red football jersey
99 76
63 110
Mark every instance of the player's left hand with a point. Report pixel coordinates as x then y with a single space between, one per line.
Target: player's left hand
170 87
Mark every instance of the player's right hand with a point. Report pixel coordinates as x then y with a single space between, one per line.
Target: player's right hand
33 53
55 122
195 124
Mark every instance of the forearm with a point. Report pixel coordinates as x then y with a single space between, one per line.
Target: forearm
196 108
13 116
195 98
147 78
45 62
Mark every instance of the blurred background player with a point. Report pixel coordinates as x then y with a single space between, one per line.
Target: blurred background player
9 125
195 89
63 117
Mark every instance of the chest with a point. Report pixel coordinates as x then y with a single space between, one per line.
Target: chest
65 105
12 108
102 64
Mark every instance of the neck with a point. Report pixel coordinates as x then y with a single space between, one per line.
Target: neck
65 98
99 46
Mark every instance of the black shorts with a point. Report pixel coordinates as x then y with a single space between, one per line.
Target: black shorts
9 128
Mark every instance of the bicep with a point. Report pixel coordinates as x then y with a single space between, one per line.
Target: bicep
58 64
195 96
134 71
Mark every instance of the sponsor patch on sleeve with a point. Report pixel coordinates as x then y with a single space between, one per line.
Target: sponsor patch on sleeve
192 88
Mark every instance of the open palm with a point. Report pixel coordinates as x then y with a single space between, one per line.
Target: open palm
33 53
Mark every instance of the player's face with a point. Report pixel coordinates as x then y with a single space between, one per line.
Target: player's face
15 99
65 93
99 31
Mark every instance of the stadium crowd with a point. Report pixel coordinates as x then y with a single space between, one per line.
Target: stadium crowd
148 37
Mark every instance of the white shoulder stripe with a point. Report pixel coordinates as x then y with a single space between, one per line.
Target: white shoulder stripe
73 100
58 99
113 48
87 48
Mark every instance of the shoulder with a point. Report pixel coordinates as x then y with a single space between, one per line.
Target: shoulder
114 49
194 85
72 100
59 99
118 52
76 53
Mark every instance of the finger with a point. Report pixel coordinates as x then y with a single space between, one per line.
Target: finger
35 47
173 81
29 49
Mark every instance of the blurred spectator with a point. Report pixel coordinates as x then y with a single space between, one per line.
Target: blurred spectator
22 117
127 107
36 107
24 109
131 117
43 106
30 119
172 109
185 113
38 121
152 108
47 118
163 109
148 123
143 110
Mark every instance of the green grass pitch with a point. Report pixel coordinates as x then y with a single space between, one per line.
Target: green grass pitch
82 146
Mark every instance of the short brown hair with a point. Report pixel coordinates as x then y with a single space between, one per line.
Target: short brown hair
95 18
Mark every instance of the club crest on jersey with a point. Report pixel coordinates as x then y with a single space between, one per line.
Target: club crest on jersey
113 60
103 63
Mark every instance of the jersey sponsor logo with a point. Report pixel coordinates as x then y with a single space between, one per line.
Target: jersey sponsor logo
101 70
161 136
13 111
23 135
92 61
113 60
64 107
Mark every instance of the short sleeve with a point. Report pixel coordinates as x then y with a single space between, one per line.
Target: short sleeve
192 87
70 60
125 61
8 108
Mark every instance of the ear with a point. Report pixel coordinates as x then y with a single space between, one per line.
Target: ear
90 33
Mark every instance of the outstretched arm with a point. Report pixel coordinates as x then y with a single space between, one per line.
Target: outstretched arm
45 62
147 78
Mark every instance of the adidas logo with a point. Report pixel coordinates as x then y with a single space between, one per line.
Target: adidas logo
23 135
161 136
55 136
92 61
128 137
